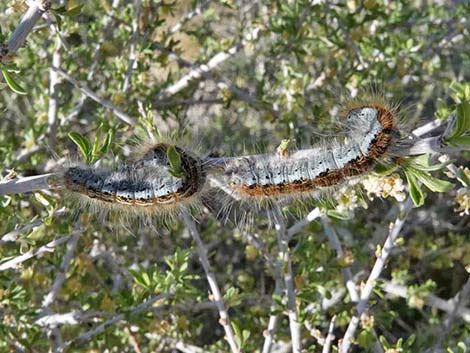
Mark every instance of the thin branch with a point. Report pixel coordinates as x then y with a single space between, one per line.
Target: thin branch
49 247
224 318
284 258
301 224
374 275
28 184
133 46
273 318
147 305
89 93
60 276
53 96
15 234
329 336
186 18
448 306
198 72
34 13
433 145
336 244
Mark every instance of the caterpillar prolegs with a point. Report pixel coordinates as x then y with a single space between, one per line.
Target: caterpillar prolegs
149 186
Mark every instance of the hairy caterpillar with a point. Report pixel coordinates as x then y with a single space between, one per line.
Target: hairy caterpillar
370 129
146 186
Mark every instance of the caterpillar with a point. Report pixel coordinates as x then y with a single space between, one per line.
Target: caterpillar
146 186
371 127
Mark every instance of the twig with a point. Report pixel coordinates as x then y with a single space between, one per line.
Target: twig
336 244
196 11
15 234
34 13
284 258
19 185
53 96
89 93
60 276
224 318
374 275
133 45
329 336
148 304
273 318
433 145
459 301
448 306
199 71
428 127
297 227
107 31
49 247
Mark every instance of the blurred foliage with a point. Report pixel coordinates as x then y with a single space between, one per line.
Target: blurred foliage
298 62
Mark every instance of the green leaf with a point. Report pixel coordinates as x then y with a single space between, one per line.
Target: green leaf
83 144
415 191
338 215
459 141
107 141
462 123
174 159
433 184
63 11
73 11
385 169
423 163
14 86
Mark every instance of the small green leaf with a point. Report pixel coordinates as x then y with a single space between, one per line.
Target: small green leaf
96 144
73 11
338 215
174 159
14 86
423 163
385 169
433 184
459 141
107 141
462 123
63 11
83 144
415 191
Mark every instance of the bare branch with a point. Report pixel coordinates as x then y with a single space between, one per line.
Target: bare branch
224 318
284 258
148 304
49 247
34 13
336 244
133 46
89 93
374 275
28 184
330 336
448 306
